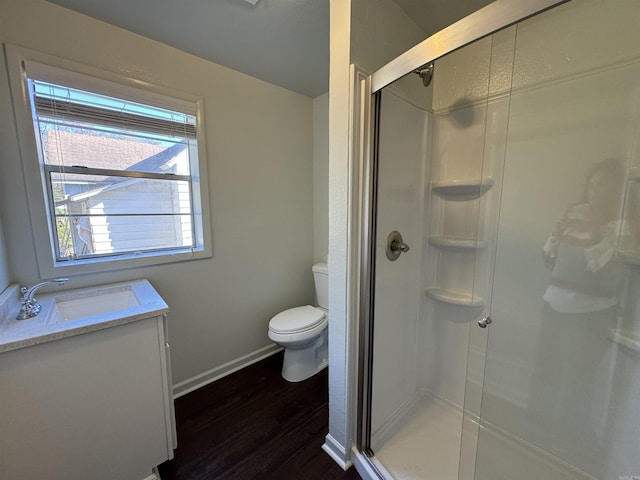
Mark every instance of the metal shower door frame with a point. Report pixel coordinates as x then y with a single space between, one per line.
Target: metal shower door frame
494 17
486 21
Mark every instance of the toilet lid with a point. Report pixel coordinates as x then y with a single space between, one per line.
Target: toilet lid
297 319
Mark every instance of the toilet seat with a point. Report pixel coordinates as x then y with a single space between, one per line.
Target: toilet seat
297 320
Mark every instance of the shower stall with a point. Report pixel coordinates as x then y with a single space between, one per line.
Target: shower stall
500 315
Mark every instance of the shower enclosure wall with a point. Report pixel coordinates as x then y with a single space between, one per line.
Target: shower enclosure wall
505 343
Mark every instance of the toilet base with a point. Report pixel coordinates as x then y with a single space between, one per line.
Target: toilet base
300 364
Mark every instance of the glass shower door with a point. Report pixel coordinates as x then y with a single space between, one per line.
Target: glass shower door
513 181
440 150
562 373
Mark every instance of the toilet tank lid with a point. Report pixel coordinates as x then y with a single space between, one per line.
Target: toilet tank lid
297 319
320 268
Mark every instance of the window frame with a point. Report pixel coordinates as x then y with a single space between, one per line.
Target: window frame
23 64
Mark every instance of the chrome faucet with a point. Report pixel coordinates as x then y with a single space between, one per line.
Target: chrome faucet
30 307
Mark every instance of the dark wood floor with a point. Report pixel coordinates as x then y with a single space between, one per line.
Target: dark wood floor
253 424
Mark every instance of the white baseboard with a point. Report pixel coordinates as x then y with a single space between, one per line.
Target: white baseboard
202 379
337 452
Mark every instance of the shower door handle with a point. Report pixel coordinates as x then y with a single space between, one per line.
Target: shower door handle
395 246
484 322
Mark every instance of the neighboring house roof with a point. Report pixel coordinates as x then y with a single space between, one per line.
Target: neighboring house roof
80 148
158 163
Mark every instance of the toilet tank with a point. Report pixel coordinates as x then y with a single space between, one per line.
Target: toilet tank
321 279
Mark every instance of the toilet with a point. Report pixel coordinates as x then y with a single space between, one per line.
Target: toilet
302 331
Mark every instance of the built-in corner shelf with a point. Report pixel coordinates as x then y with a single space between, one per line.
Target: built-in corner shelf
454 298
441 241
625 338
462 189
630 258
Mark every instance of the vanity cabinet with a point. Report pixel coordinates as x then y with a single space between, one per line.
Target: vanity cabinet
93 406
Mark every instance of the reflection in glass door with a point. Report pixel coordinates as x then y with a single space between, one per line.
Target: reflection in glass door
562 376
514 182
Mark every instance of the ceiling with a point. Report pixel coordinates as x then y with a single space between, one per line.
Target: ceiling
284 42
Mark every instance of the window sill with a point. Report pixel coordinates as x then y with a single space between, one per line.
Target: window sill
121 262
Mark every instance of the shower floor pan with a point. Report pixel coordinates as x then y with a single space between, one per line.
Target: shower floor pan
425 444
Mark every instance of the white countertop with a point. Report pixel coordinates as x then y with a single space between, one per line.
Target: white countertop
15 334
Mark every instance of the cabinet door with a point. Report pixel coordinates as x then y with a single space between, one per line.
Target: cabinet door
89 406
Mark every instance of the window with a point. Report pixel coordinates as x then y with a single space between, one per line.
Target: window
116 172
119 170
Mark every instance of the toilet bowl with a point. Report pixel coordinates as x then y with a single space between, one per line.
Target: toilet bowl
302 332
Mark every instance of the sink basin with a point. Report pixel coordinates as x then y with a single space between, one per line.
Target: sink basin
66 313
95 302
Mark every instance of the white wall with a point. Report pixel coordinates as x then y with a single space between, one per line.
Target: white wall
380 31
260 161
4 269
358 37
320 178
9 149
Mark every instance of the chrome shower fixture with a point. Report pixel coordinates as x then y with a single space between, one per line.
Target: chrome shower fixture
425 72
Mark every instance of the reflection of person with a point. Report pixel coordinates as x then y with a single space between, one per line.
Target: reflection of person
581 250
570 381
